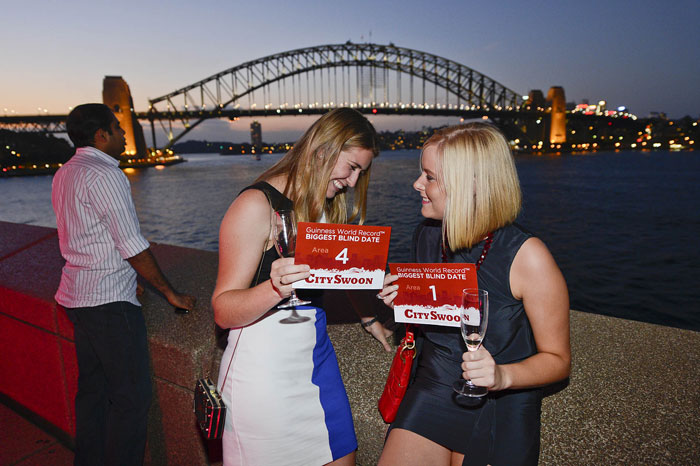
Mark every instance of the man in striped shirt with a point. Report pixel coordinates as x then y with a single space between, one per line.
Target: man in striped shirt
101 241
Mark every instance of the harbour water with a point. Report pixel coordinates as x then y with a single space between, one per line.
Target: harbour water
624 227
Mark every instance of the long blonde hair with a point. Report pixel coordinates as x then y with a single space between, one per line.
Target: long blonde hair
477 172
309 164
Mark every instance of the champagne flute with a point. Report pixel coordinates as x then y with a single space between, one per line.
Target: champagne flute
474 317
285 231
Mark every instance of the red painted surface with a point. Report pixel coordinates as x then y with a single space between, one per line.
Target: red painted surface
32 310
38 366
31 371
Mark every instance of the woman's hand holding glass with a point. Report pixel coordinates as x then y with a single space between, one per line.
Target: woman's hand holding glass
284 272
474 319
479 367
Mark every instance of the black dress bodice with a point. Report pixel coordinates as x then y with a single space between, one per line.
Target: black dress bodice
278 201
509 335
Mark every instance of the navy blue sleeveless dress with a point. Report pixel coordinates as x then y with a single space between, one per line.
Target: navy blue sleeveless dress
504 429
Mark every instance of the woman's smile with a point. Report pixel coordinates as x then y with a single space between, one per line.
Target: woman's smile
350 165
433 197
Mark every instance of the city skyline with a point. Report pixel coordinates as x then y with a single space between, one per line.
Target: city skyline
642 55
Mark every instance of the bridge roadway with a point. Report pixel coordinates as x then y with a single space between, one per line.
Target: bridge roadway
56 123
241 113
632 397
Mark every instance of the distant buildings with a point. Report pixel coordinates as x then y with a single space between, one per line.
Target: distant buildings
256 136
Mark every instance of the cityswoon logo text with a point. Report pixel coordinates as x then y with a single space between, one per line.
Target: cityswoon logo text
340 279
447 315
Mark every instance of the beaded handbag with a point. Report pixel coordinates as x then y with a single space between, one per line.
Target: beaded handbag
209 409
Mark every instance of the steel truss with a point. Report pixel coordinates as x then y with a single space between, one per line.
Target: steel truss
34 124
364 81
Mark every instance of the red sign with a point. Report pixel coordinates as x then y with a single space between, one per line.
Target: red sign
431 293
342 256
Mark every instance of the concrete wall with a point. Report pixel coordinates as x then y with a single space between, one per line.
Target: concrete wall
38 368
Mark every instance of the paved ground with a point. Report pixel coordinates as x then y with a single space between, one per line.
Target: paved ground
22 443
633 398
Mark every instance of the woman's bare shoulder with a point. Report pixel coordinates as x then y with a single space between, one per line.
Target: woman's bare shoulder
248 214
533 265
250 202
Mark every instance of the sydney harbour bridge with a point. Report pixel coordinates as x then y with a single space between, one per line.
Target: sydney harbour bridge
372 78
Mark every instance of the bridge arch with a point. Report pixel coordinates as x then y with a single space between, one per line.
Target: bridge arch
369 74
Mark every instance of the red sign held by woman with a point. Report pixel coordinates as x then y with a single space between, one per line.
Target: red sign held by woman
431 293
342 256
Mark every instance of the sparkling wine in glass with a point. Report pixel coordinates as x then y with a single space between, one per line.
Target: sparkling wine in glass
474 317
285 231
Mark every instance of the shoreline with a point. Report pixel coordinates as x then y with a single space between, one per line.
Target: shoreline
50 169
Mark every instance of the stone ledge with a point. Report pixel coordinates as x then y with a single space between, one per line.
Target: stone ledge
16 236
632 398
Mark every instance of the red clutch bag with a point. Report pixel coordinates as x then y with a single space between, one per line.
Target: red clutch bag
399 375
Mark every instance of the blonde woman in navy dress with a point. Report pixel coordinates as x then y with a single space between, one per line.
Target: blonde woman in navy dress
470 191
286 400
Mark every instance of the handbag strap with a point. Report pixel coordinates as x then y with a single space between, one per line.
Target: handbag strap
408 342
231 360
409 337
257 278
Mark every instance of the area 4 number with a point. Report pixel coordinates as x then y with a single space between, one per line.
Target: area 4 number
343 256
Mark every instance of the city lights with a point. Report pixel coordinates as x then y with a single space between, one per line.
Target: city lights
395 82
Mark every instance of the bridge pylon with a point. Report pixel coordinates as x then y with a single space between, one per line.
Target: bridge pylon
117 96
557 127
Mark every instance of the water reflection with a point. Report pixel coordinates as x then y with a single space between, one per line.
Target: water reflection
622 226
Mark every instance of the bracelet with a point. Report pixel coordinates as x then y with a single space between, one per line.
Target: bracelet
369 322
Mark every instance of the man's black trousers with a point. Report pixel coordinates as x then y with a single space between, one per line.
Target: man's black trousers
114 384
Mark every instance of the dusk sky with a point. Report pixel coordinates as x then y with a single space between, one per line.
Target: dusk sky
638 53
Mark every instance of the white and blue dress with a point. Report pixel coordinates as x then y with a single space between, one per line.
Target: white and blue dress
285 398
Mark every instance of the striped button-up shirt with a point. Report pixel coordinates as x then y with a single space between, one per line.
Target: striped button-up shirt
97 230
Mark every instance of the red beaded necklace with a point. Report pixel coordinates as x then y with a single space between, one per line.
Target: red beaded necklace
484 252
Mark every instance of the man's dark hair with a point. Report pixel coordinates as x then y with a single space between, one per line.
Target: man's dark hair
84 121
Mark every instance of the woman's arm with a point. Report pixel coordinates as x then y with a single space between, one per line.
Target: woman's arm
536 279
378 331
244 234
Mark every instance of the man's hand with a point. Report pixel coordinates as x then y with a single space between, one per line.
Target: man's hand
182 301
145 264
